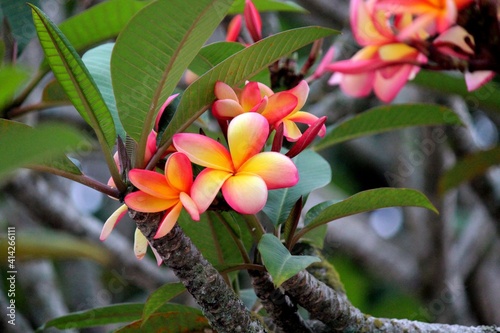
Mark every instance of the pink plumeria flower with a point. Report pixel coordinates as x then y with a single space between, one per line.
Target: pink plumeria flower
244 172
290 130
434 16
385 64
234 29
254 97
170 192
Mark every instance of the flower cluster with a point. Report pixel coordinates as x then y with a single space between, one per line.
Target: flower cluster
398 37
242 171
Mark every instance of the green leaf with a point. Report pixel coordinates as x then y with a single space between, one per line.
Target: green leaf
12 79
387 118
159 297
235 70
152 53
18 15
100 22
75 79
278 260
314 173
268 5
484 97
366 201
98 63
53 92
213 239
49 244
23 146
181 321
113 314
468 168
213 54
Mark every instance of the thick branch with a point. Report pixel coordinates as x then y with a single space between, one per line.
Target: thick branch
335 310
277 304
221 306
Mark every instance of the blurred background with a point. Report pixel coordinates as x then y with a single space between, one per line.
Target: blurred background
401 263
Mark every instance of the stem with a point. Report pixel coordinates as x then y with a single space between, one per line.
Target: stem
19 111
82 179
24 94
224 310
256 229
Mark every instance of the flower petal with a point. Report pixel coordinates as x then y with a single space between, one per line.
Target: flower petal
246 136
190 206
301 91
357 85
306 118
291 131
226 109
179 172
250 96
162 109
233 29
279 106
386 88
152 183
206 186
140 244
169 221
477 79
277 170
143 202
112 221
245 193
203 151
224 91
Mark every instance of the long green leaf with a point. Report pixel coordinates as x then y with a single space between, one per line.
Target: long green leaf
314 173
268 5
75 79
279 261
212 55
159 297
152 53
113 314
181 321
236 69
468 168
387 118
50 244
484 97
22 146
98 62
366 201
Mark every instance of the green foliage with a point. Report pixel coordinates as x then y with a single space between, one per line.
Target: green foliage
122 313
314 173
98 63
152 53
268 5
18 16
12 78
180 320
367 201
235 70
388 118
48 244
159 297
468 168
75 79
280 263
25 146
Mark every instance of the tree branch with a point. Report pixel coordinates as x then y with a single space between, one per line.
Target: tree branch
335 310
277 304
224 310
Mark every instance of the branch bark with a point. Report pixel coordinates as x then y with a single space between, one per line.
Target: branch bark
224 310
335 310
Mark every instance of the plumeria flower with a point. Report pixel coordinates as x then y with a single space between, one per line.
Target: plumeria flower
170 192
282 107
385 63
435 16
234 29
254 97
291 130
253 21
244 172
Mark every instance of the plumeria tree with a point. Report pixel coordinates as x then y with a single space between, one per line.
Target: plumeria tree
213 158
